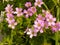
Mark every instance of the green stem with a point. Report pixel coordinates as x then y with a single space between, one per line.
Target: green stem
57 13
45 6
56 43
57 33
45 41
12 35
11 40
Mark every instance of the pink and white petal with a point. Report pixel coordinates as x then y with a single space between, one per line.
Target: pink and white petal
49 23
48 19
15 12
39 27
42 3
28 33
53 23
18 15
39 5
41 31
31 36
36 0
15 23
59 29
13 27
26 16
25 11
35 4
35 26
54 19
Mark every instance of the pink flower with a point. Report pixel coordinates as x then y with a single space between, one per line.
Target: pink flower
12 25
50 19
27 13
40 17
33 9
9 15
56 27
28 4
19 12
43 11
38 3
11 22
10 18
41 30
48 14
32 33
36 30
39 24
9 9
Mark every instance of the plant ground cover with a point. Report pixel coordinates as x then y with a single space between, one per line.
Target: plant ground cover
29 22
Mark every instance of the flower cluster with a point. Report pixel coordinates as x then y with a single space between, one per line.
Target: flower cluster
49 18
30 11
43 22
26 12
10 16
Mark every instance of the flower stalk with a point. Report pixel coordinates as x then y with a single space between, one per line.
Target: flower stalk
45 41
57 33
11 37
45 6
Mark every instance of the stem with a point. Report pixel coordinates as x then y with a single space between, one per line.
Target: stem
12 35
56 43
57 13
45 6
45 41
57 33
11 40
